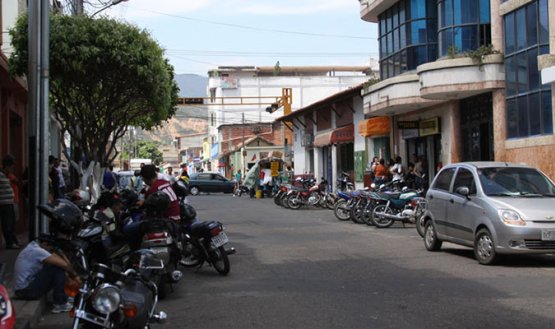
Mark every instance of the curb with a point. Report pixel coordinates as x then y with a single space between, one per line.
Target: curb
28 312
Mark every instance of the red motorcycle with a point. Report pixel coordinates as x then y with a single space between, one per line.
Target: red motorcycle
7 313
310 196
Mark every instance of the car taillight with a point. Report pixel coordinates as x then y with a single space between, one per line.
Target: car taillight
216 230
158 235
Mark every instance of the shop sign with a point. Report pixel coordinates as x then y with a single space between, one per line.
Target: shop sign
378 126
429 127
274 168
409 133
407 124
343 134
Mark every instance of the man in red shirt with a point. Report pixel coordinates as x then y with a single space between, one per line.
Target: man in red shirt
156 183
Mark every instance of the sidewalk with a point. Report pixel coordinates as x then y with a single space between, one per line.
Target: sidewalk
27 313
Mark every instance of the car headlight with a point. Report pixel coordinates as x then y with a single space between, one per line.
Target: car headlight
106 298
511 217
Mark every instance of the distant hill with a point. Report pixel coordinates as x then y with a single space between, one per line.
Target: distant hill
187 120
191 85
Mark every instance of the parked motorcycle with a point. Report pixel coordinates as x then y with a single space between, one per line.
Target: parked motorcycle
398 206
310 196
203 242
344 182
112 299
343 205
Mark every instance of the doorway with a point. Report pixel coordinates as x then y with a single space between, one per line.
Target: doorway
476 115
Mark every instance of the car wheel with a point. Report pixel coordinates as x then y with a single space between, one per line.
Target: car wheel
431 241
194 190
484 248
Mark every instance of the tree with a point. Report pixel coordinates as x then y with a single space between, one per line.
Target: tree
104 77
144 150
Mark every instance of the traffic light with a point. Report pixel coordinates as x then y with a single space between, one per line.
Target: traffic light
193 100
272 108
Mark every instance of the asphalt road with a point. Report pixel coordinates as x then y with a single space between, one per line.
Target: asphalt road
306 269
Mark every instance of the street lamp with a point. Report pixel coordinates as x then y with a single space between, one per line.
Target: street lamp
113 3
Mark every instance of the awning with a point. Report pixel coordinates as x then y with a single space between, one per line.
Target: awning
343 134
336 136
374 127
322 139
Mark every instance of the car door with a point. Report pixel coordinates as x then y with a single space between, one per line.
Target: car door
203 182
220 183
462 212
438 196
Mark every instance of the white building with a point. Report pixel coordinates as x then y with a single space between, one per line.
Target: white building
244 93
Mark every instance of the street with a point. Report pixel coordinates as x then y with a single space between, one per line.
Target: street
306 269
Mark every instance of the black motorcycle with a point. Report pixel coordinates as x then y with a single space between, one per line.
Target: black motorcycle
203 242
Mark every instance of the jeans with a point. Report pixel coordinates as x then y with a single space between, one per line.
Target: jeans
7 219
49 277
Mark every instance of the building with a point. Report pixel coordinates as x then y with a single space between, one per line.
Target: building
241 94
462 80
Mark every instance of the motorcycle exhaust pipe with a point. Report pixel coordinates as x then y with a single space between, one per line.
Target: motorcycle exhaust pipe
392 217
230 251
161 317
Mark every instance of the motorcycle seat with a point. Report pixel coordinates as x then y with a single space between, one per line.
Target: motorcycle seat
201 228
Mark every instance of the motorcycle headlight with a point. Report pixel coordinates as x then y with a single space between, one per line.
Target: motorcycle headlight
511 217
106 298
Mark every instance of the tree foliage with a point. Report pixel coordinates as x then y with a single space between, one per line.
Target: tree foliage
104 76
143 150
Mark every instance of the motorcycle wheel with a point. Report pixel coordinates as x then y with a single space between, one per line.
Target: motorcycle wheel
341 211
330 202
293 202
382 222
356 214
220 261
283 201
367 214
188 259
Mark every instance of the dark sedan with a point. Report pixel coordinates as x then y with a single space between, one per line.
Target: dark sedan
209 182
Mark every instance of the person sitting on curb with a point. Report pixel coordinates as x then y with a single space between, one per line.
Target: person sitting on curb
42 266
39 268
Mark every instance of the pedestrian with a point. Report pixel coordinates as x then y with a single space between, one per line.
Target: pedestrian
7 203
155 183
109 180
397 170
380 173
39 268
238 176
54 177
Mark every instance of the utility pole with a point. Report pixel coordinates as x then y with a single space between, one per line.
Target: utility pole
243 151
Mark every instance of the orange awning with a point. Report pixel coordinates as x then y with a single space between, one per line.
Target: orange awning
343 134
322 139
374 126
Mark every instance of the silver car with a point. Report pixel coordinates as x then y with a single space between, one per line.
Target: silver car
493 207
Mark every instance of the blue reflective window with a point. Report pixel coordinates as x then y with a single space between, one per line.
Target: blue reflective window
448 13
535 114
534 75
520 32
512 118
418 29
485 15
445 40
522 72
510 77
510 33
417 9
467 37
523 118
531 25
543 22
457 12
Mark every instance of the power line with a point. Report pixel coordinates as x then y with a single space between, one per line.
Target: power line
218 53
253 28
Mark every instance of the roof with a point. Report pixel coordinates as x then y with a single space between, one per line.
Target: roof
337 97
489 164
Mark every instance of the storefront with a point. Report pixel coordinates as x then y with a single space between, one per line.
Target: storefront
423 140
377 131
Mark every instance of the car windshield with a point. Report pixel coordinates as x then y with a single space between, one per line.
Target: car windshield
513 181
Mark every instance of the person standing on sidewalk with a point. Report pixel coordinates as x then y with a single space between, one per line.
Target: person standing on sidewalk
7 203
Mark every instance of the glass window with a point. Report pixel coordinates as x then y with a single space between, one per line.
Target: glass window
448 13
531 25
402 36
444 178
534 74
442 12
509 33
535 113
417 10
544 22
512 118
466 38
522 72
520 33
510 77
418 32
523 130
485 16
465 178
457 11
445 41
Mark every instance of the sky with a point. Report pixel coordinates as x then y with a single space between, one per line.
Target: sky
200 35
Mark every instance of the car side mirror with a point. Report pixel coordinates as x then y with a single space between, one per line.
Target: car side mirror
464 191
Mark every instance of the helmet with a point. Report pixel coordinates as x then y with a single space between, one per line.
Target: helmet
108 199
65 216
129 198
187 212
180 188
157 203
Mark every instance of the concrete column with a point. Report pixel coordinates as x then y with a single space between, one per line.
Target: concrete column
497 39
318 163
499 124
334 166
